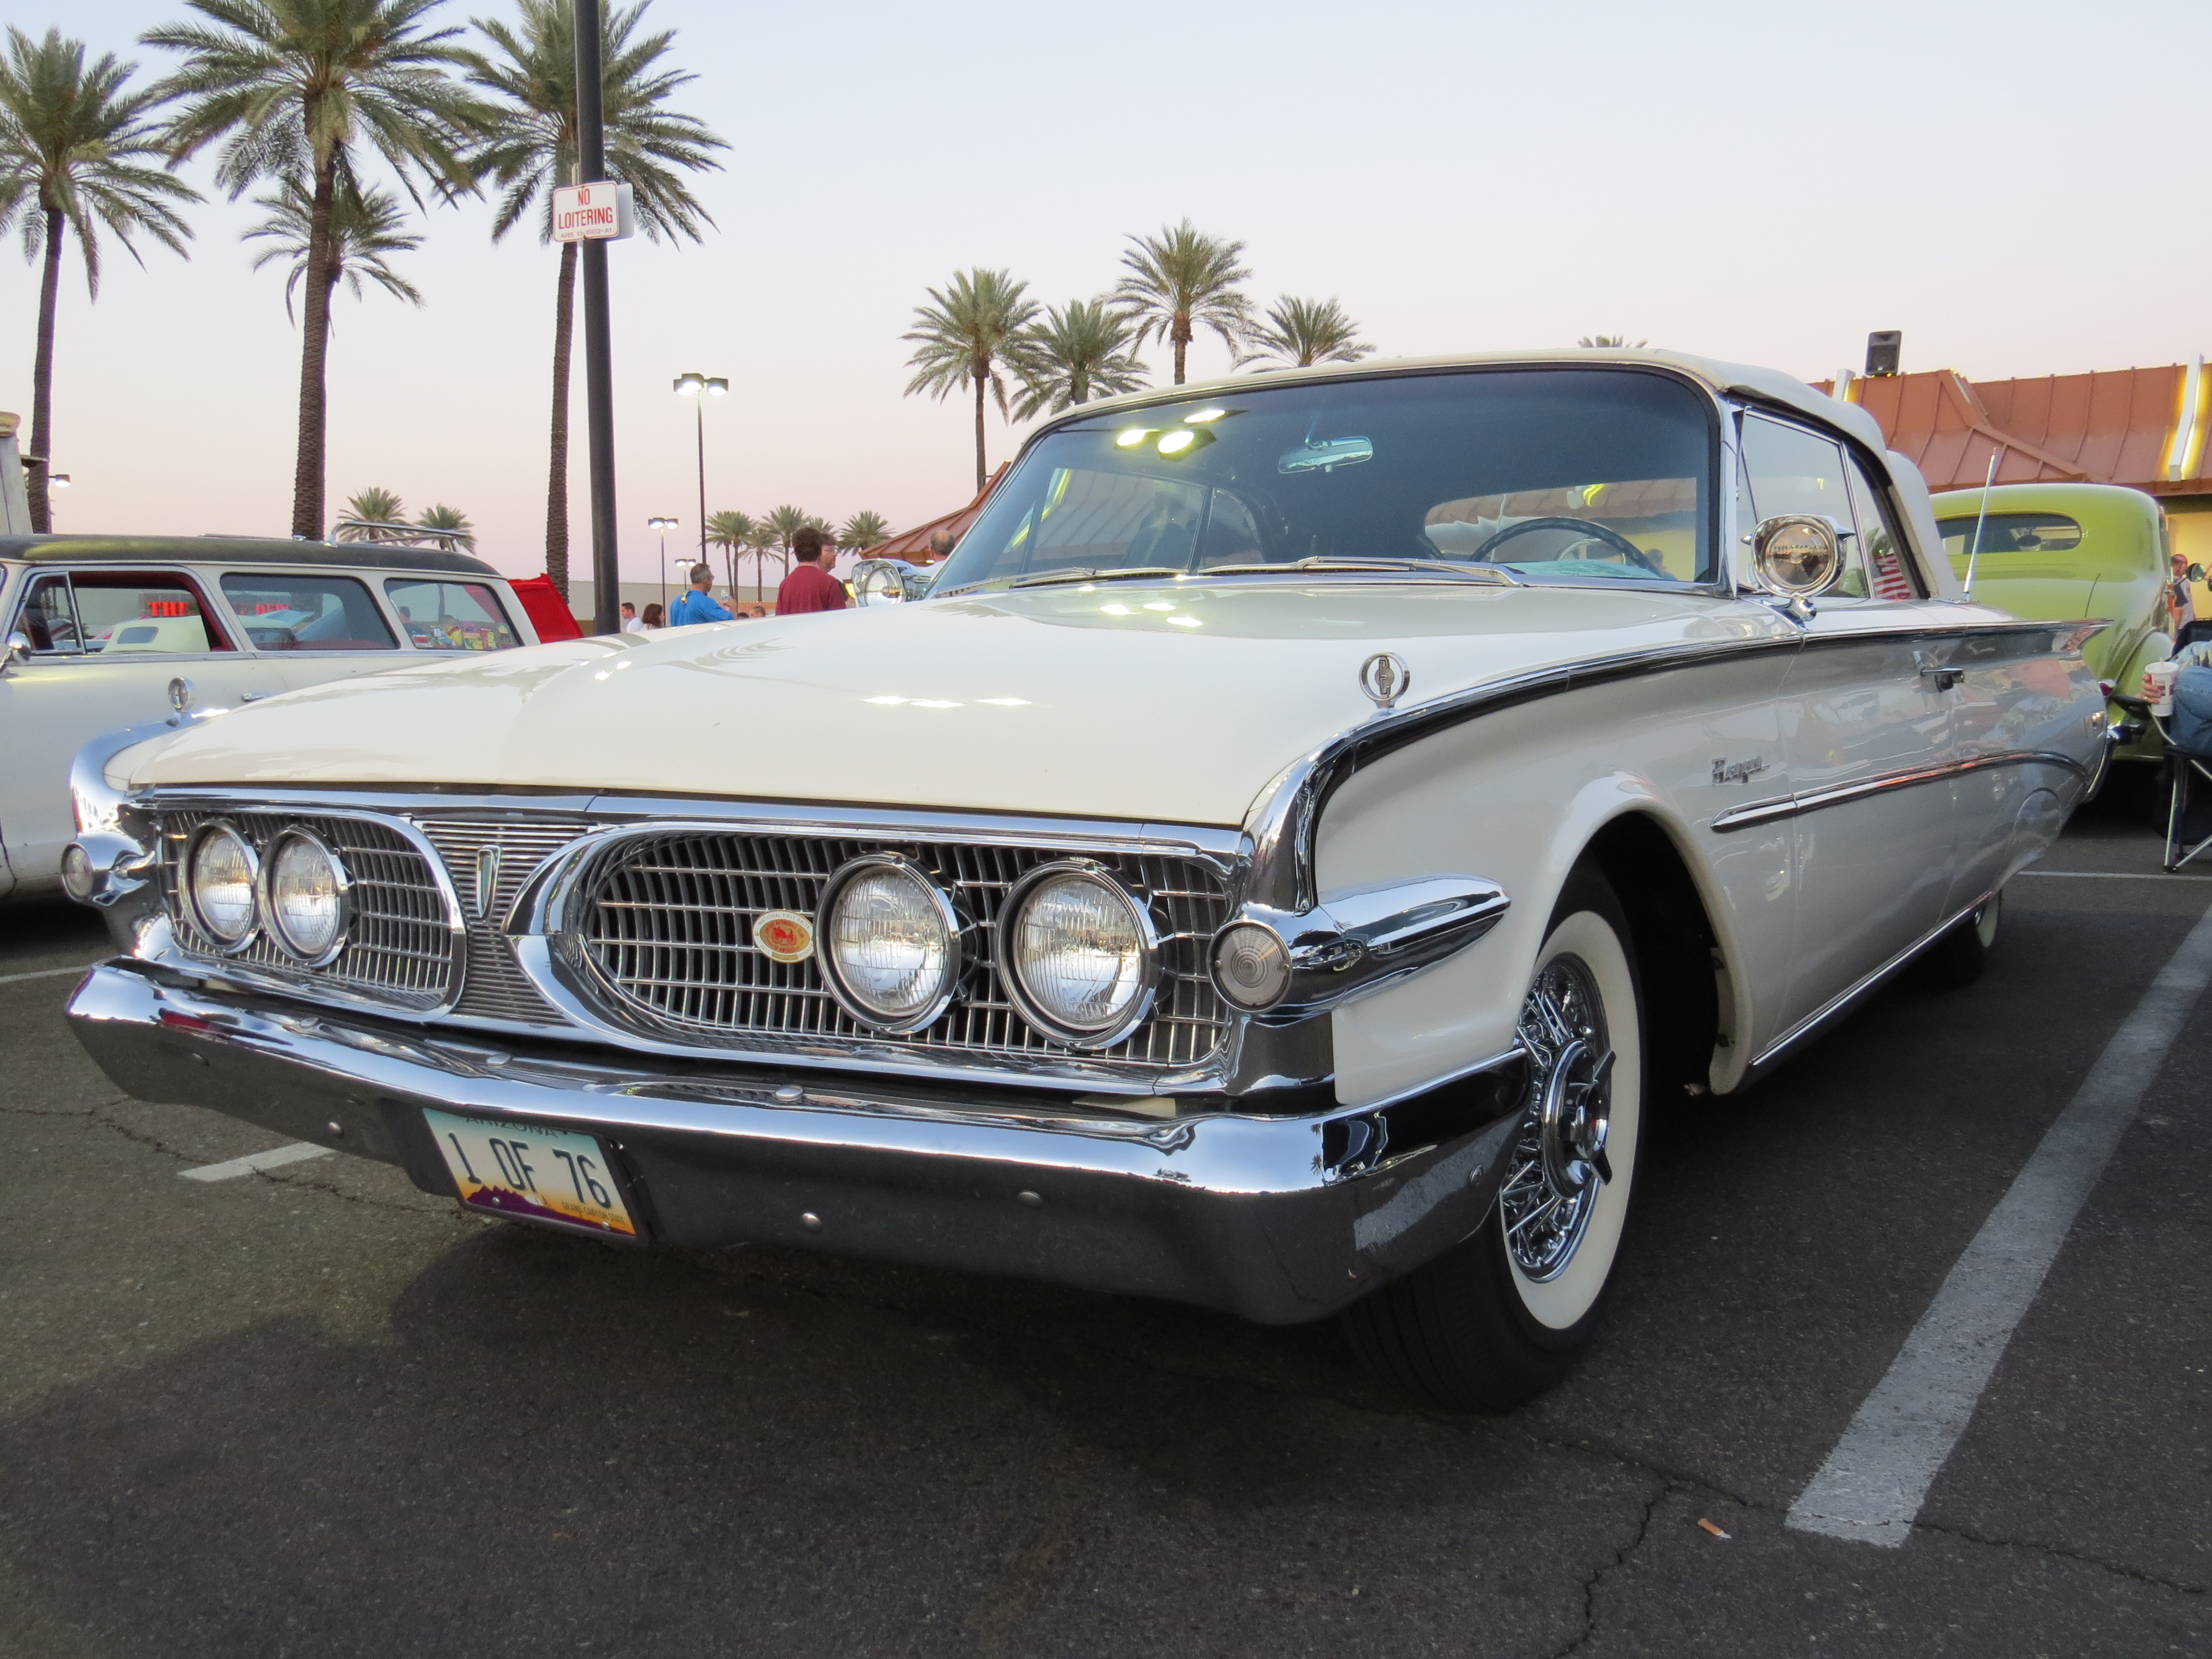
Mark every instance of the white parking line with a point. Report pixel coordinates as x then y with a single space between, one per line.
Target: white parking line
1873 1484
45 973
292 1151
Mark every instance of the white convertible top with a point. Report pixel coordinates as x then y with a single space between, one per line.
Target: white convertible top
1768 385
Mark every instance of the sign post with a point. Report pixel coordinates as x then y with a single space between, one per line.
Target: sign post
598 349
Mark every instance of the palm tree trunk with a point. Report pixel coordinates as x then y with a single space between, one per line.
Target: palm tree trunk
1180 335
979 432
315 352
42 379
557 481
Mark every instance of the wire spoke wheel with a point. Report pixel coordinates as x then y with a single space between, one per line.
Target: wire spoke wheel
1559 1162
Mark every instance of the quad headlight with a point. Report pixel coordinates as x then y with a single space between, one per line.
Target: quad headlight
221 872
303 897
1079 953
890 945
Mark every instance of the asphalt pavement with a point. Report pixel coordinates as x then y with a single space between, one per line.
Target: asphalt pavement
309 1411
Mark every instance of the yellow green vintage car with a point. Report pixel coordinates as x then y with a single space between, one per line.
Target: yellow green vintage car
2063 552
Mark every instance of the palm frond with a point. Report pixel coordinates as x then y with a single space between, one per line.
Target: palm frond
1077 352
1303 332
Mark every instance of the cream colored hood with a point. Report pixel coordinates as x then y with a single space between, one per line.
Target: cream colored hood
1144 701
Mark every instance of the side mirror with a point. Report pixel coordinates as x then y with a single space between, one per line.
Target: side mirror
1796 555
2195 573
18 650
888 582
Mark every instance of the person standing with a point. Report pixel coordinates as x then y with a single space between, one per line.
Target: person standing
654 620
631 624
698 605
809 586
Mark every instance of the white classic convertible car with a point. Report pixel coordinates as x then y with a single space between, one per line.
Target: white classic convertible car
1271 865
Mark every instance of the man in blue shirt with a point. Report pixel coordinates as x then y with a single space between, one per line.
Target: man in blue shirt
698 605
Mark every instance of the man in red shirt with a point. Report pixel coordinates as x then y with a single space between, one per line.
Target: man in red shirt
809 586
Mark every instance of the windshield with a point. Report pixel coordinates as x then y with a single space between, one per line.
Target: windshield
1592 476
2012 533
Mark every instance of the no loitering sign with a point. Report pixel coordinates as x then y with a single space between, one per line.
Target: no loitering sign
593 213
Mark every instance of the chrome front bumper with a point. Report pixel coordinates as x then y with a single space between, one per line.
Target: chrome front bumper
1277 1219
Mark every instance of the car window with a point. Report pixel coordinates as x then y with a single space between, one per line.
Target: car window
122 611
2011 532
48 618
450 615
283 612
1876 557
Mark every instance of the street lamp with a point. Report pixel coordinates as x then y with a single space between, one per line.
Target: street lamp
702 386
664 525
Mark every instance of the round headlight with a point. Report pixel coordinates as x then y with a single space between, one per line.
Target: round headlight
891 951
219 880
1250 966
304 897
1078 954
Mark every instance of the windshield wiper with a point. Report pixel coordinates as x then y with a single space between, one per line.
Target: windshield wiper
1040 578
1490 574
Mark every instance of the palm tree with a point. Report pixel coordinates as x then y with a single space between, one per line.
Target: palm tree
1181 281
1612 341
365 226
864 530
375 505
1076 354
297 88
730 531
71 145
451 521
1303 332
759 542
962 338
782 524
531 148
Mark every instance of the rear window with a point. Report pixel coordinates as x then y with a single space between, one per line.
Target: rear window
450 615
307 613
2012 533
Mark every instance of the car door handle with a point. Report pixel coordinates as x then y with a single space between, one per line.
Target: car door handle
254 697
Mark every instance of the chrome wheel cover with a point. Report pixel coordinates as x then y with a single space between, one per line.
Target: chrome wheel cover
1558 1163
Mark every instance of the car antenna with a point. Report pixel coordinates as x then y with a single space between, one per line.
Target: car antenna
1975 551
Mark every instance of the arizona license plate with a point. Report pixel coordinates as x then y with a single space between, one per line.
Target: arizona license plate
539 1175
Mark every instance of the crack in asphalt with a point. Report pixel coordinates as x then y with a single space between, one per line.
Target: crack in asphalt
1666 1489
2118 1569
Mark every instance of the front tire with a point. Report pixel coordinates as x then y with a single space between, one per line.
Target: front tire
1501 1316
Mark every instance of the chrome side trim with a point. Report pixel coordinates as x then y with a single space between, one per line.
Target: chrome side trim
1789 806
1843 998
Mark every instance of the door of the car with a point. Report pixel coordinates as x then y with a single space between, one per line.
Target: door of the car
1867 734
320 625
105 646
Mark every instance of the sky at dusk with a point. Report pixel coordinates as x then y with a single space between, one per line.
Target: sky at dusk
1763 183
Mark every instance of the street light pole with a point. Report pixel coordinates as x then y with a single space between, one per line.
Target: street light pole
664 525
703 386
598 346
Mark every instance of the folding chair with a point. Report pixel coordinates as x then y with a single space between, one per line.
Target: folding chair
2188 734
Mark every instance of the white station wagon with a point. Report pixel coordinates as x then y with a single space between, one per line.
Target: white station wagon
1271 864
108 631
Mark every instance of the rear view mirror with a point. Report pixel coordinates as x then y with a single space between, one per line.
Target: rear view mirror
1797 554
1326 455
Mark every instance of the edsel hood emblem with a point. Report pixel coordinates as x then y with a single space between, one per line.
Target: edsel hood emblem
1384 678
784 935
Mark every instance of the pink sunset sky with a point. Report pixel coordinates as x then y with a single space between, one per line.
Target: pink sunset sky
1759 182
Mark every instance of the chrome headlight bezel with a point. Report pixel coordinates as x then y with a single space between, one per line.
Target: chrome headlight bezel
825 957
188 886
1009 960
273 921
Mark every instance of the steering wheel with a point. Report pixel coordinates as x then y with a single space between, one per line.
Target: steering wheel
1628 550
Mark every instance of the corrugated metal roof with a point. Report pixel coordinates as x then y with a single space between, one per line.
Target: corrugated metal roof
2111 426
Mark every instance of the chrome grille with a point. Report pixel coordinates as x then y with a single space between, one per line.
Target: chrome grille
667 924
399 946
494 985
